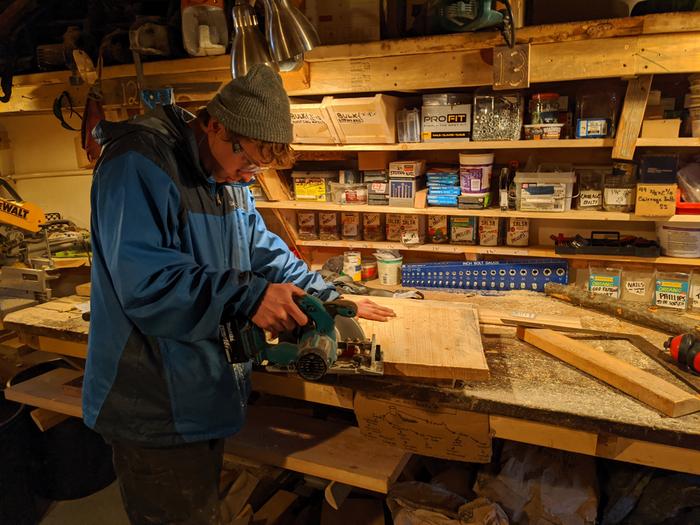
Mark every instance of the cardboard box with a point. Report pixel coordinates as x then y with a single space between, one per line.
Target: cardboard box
446 123
345 21
312 123
365 120
656 200
661 128
375 160
400 226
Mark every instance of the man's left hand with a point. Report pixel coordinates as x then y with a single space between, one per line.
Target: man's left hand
367 309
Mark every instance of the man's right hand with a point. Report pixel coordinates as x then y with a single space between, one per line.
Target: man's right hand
278 312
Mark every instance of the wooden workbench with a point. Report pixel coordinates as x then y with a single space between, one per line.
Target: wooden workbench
530 397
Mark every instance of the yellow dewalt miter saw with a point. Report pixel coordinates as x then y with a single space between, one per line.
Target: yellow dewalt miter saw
28 240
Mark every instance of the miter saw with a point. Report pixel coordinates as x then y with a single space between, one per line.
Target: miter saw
27 241
331 342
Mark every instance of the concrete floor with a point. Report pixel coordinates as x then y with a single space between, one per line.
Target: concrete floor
102 508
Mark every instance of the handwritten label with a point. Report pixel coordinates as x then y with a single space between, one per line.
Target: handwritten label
590 199
357 117
636 287
518 232
672 294
511 67
608 285
619 196
304 117
656 200
695 297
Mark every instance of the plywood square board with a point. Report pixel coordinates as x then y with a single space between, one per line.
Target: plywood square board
429 339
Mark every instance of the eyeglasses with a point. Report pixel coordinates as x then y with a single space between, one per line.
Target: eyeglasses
251 166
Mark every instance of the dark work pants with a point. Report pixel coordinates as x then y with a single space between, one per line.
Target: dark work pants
178 485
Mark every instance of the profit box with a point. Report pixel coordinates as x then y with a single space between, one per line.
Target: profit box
445 117
486 275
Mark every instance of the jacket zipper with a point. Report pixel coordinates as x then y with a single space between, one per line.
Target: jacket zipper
220 201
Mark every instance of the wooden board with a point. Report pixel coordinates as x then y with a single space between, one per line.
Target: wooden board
631 118
319 448
46 391
648 388
429 339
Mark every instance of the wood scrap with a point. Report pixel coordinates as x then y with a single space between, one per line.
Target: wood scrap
648 388
83 290
336 493
671 323
275 508
319 448
46 419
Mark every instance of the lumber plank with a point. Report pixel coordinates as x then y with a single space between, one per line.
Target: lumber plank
643 386
288 385
324 449
429 339
631 117
46 419
570 31
46 391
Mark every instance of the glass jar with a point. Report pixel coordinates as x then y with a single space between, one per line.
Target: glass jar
620 188
590 187
497 116
328 226
544 108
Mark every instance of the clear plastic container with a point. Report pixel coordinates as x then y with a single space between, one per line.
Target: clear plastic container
637 286
408 125
329 225
544 108
350 228
596 113
307 225
620 188
497 116
349 193
591 180
373 227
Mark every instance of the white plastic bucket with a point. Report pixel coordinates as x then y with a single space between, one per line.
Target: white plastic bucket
475 172
679 239
389 271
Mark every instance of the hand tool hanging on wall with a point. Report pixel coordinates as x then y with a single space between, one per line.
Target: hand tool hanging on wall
150 37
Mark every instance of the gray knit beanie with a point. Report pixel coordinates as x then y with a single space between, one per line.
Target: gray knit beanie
255 106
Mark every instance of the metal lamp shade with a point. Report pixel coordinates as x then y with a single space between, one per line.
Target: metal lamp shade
248 47
289 32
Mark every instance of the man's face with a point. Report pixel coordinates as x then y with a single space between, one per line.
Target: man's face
236 161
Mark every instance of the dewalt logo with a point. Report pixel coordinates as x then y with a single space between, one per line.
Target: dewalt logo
12 209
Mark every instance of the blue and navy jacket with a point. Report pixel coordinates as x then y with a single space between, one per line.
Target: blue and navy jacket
174 253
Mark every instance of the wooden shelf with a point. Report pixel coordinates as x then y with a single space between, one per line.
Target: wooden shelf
678 142
461 145
682 142
529 251
577 215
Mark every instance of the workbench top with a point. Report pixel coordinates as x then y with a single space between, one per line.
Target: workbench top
525 383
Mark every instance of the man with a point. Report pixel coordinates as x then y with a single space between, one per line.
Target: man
178 248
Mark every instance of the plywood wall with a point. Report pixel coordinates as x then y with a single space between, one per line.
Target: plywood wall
45 166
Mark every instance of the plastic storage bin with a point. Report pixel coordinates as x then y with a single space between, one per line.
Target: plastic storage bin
544 191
